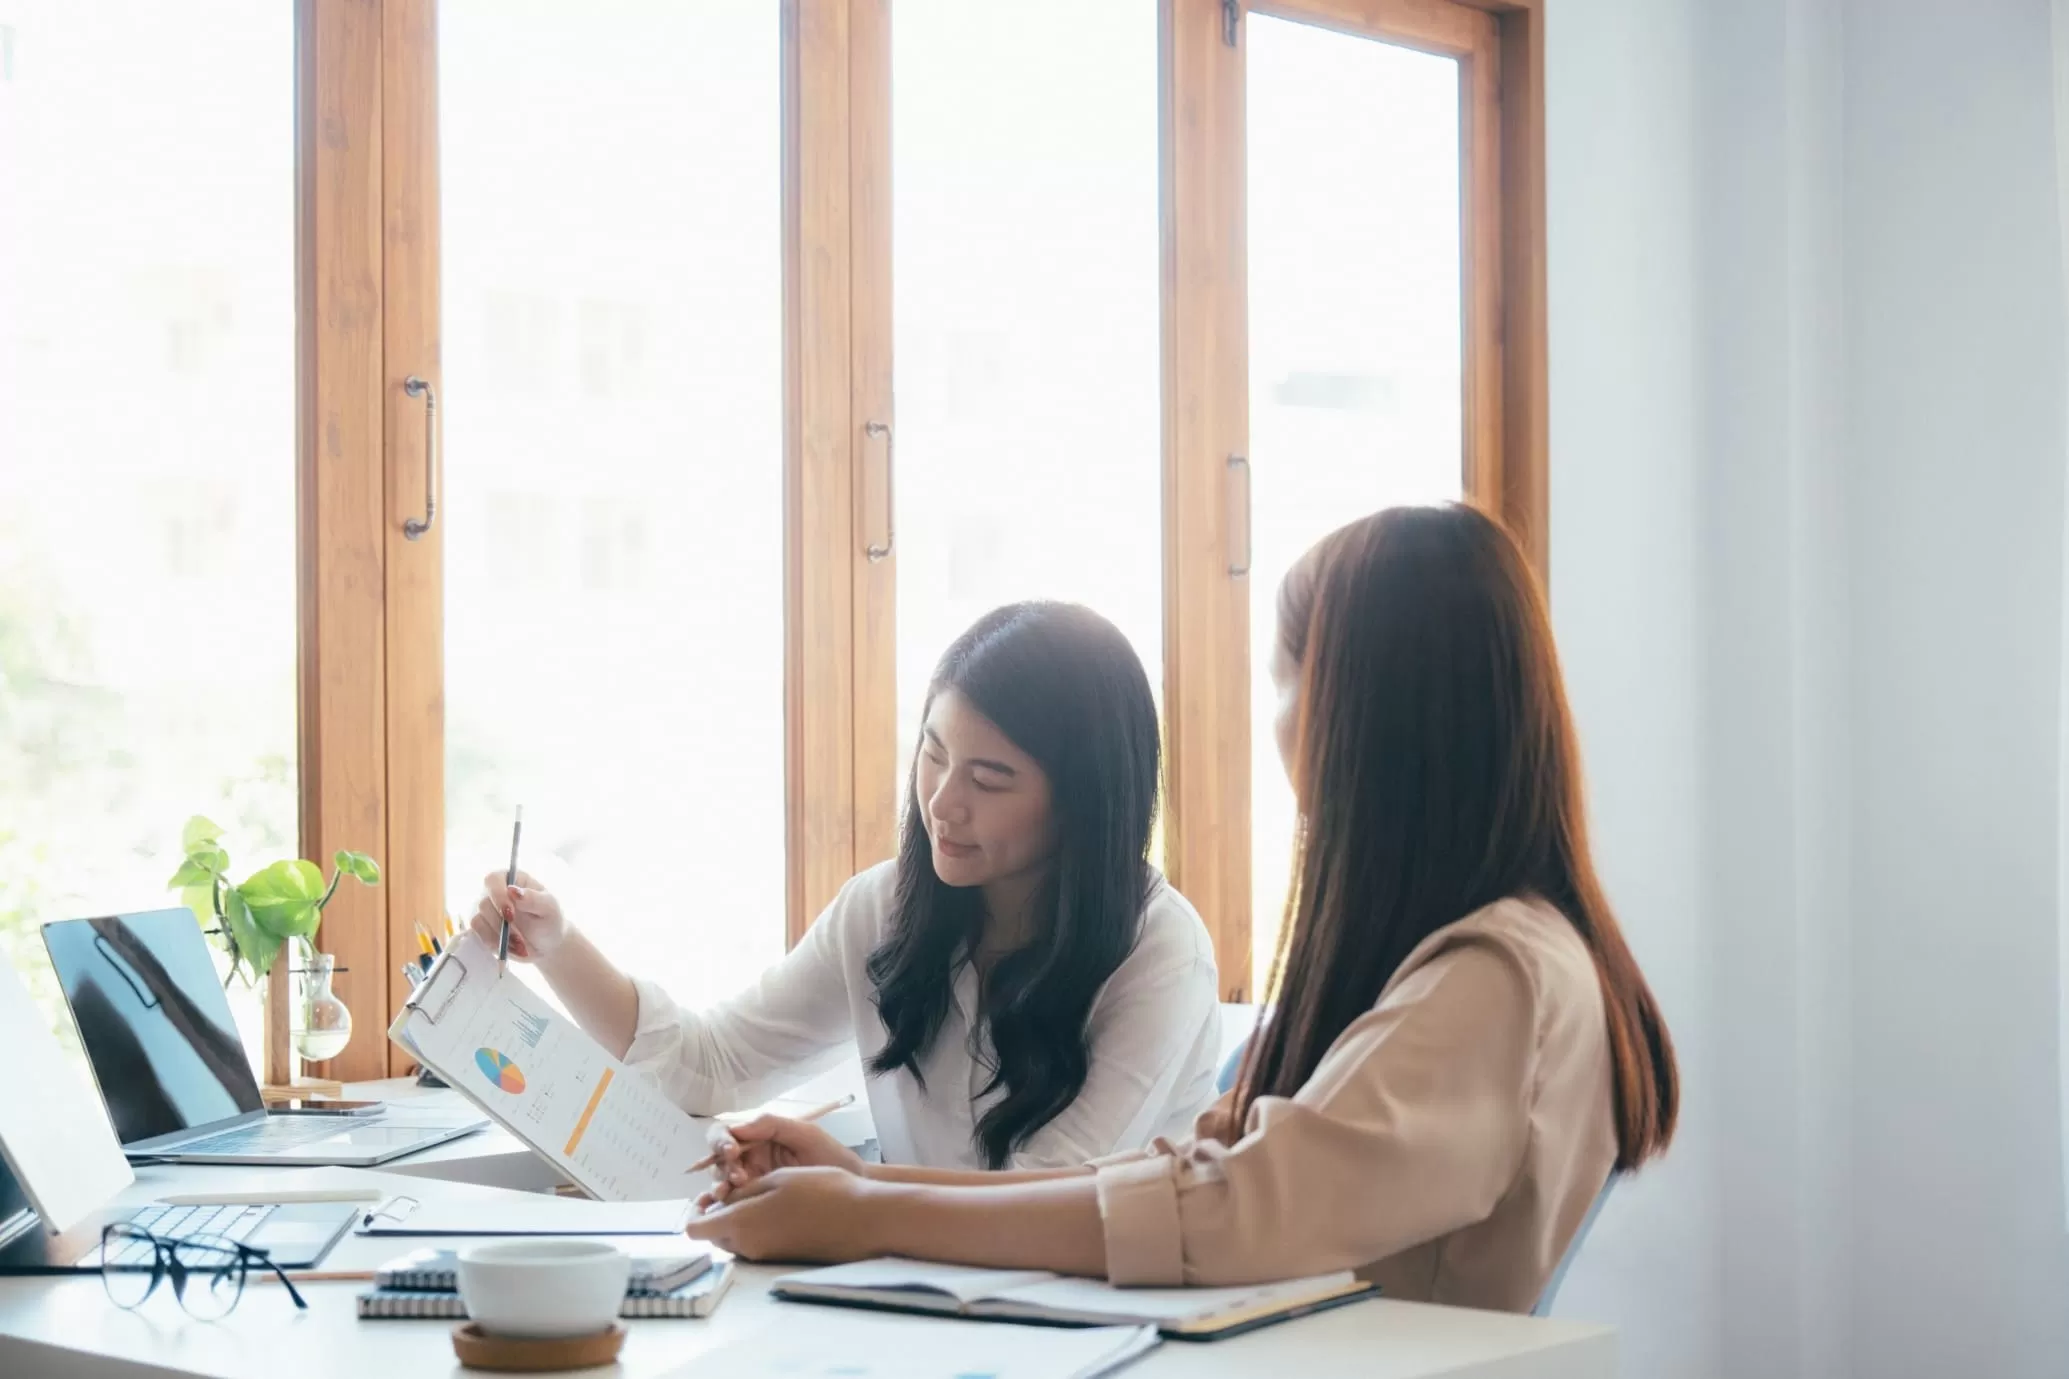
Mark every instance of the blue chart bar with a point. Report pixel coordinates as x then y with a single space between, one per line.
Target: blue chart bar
530 1028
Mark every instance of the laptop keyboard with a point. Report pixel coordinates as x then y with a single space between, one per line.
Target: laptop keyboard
271 1134
181 1223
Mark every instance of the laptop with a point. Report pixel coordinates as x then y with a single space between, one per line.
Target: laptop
60 1167
165 1052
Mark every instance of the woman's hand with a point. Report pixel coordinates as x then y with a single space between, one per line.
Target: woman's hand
1219 1122
761 1146
537 927
803 1215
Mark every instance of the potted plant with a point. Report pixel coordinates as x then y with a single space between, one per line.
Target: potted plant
255 918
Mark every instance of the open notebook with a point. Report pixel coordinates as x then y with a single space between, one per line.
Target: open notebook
907 1285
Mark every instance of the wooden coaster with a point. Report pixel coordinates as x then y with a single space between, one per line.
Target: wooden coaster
479 1350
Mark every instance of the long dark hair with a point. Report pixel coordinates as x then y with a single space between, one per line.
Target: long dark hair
1065 687
1437 772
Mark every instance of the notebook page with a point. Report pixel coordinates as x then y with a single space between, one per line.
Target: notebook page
959 1281
1090 1297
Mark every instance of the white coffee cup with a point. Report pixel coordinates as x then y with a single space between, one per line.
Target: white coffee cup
543 1287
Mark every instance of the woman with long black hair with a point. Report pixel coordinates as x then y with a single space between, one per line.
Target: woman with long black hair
1024 989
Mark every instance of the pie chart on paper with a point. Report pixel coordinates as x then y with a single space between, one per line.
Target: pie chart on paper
497 1068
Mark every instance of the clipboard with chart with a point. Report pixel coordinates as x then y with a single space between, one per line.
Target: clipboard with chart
539 1076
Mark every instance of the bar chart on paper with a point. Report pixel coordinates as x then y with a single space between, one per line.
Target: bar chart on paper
492 1038
530 1028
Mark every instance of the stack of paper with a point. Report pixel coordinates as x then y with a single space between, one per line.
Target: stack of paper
866 1347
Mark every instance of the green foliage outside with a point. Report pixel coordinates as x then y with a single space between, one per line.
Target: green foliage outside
84 821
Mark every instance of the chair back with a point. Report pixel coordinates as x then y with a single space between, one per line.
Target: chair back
1551 1293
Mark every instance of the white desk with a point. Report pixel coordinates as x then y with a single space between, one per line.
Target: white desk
65 1326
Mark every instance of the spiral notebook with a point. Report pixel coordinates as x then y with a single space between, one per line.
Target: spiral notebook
698 1298
656 1272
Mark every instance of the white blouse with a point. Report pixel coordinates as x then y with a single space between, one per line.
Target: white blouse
1154 1033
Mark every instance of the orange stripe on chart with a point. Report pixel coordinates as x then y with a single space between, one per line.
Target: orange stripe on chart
582 1125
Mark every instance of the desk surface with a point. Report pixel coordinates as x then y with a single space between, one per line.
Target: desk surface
65 1326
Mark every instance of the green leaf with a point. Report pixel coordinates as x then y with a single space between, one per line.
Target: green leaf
360 866
199 833
191 873
257 947
284 899
201 900
209 861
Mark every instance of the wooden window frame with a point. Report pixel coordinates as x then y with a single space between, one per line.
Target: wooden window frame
341 555
371 619
876 751
1500 48
371 622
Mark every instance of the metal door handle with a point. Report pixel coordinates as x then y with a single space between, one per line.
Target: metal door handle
1239 565
420 387
883 428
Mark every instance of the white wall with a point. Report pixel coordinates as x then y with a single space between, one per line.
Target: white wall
1954 474
1621 230
1773 619
1808 370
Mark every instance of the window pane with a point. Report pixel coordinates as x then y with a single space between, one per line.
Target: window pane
611 188
1026 320
1355 351
147 452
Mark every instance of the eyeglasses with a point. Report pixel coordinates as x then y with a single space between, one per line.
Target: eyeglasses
207 1271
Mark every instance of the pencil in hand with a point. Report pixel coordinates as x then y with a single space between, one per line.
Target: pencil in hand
824 1108
509 883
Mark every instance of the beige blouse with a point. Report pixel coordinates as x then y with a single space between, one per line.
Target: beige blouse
1447 1147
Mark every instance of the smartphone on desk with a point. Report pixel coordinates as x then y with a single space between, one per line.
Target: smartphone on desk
326 1106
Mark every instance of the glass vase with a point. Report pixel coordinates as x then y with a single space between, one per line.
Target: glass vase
322 1023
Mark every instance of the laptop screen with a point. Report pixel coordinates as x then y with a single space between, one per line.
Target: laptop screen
154 1021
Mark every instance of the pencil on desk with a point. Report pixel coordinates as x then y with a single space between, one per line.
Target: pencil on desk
824 1108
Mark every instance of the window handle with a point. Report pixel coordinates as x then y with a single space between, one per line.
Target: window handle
1239 564
874 429
421 387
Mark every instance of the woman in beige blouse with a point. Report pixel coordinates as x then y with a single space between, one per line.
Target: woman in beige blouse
1463 1048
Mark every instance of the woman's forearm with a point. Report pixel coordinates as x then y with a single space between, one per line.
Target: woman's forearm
600 997
1048 1223
963 1177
